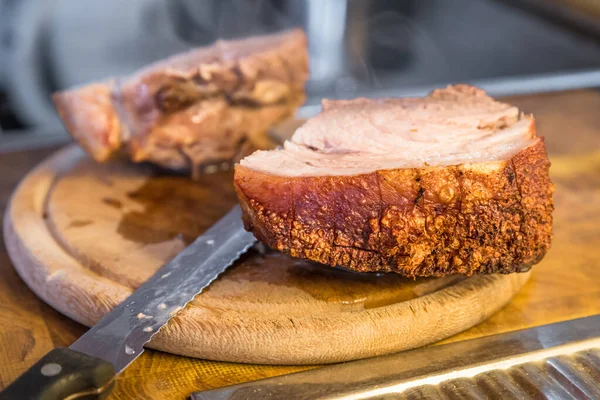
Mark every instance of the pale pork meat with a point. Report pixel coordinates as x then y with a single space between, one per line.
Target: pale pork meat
451 183
207 106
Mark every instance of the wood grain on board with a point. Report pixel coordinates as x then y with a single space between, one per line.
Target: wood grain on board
84 235
564 286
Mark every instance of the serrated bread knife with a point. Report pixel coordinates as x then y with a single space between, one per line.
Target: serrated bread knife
88 367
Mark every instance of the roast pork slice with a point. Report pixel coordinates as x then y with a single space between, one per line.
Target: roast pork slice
451 183
206 106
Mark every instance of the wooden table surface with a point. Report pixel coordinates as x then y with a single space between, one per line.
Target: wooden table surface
566 285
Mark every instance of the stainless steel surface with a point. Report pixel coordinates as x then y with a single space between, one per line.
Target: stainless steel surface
119 337
563 13
24 29
556 361
34 138
325 29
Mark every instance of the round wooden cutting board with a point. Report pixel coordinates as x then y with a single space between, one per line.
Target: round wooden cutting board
84 235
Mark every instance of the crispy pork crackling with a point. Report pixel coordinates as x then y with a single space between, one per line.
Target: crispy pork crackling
452 183
202 107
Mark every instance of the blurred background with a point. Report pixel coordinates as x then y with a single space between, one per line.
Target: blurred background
358 47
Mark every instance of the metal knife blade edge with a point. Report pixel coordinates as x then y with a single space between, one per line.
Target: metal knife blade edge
120 335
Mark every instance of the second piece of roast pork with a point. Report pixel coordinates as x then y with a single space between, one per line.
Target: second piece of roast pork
452 183
202 107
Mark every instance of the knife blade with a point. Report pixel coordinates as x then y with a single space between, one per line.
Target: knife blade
89 365
480 368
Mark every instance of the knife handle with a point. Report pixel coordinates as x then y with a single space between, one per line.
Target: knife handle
63 373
